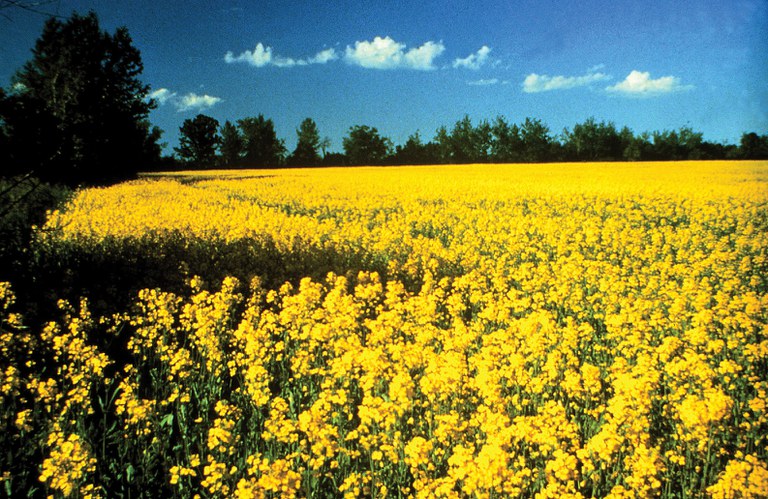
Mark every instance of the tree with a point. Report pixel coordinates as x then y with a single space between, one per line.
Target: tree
231 146
593 141
416 152
77 111
364 146
5 140
325 143
753 146
676 145
537 142
306 152
466 143
506 143
470 143
262 147
198 141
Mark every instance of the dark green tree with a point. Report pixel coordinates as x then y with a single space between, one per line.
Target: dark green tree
537 142
443 141
231 147
506 143
638 148
262 147
5 139
466 143
198 140
307 146
593 141
416 152
325 143
78 112
753 146
675 145
364 146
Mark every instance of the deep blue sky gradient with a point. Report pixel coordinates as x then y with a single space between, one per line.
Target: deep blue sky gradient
716 51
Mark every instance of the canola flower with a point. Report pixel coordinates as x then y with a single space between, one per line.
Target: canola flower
488 331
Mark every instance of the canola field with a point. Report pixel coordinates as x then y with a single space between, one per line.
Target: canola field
542 331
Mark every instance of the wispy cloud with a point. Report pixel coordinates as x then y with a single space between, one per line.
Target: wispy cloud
484 82
535 83
162 95
386 53
474 61
263 55
188 102
640 84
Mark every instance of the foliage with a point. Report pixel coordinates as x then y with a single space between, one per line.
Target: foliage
593 141
232 146
416 152
261 145
25 203
465 143
198 141
506 143
537 141
77 111
307 145
754 146
364 146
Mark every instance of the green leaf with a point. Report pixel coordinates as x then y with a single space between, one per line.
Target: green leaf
166 421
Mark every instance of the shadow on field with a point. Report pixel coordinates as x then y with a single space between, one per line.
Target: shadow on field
111 272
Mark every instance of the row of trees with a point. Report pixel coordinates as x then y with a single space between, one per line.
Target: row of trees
77 113
254 143
251 142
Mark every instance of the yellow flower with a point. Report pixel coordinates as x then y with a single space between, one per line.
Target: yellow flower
68 464
747 477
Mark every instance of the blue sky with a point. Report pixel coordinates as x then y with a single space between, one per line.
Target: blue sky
407 66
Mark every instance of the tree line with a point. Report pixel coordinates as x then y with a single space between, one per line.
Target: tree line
253 142
78 113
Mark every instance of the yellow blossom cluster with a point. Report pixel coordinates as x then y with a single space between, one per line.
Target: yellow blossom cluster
458 331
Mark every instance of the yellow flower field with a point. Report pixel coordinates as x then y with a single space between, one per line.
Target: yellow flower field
558 330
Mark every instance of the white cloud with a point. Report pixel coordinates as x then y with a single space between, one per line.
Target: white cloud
260 57
194 101
474 61
484 83
324 56
162 95
422 57
534 83
381 53
263 56
385 53
185 103
640 84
